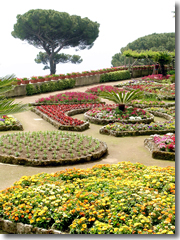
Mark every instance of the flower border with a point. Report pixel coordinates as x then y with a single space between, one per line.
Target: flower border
156 153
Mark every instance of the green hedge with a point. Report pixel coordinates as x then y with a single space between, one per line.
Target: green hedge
115 76
52 86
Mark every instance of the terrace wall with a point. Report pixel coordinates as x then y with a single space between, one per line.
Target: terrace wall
20 90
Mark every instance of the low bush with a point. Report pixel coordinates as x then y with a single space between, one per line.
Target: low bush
115 76
51 86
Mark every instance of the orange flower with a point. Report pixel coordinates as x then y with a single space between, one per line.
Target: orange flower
30 216
22 216
16 218
82 213
168 220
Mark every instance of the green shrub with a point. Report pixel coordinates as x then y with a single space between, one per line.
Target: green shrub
30 89
171 72
172 78
115 76
52 86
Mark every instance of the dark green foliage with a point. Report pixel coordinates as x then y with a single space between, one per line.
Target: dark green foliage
154 42
171 72
58 58
115 76
163 58
53 31
52 86
172 78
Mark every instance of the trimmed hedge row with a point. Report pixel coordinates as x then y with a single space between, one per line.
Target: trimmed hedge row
115 76
51 86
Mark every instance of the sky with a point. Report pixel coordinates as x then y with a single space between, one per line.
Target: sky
121 22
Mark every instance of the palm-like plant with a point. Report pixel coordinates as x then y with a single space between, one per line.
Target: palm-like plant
7 106
122 98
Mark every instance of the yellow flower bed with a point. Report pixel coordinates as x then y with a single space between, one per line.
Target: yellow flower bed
123 198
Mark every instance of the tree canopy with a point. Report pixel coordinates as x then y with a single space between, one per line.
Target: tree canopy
152 42
53 31
43 58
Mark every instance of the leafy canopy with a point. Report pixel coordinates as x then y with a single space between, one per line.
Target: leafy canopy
43 58
153 42
50 29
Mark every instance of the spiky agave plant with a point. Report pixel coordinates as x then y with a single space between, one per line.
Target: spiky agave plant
122 98
7 106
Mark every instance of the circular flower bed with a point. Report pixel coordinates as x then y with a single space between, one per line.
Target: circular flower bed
123 198
167 92
137 129
162 147
111 113
160 110
69 98
123 129
49 148
8 122
149 103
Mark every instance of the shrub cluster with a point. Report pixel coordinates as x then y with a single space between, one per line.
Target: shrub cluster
115 76
32 89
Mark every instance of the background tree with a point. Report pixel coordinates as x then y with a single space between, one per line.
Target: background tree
163 58
53 31
7 105
58 58
154 42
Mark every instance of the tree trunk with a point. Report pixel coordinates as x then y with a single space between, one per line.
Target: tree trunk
52 65
163 70
121 107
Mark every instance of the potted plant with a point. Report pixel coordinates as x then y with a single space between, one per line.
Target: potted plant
33 79
41 79
17 81
74 74
25 81
48 78
62 76
69 75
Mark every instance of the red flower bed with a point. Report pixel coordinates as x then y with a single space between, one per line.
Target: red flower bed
156 77
103 88
70 97
57 112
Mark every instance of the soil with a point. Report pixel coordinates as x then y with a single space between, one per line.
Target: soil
119 149
52 148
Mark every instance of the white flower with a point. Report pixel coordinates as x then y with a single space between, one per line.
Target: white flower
132 118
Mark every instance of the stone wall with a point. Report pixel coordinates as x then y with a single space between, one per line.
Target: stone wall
20 90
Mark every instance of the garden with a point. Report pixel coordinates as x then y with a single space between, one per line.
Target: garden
123 198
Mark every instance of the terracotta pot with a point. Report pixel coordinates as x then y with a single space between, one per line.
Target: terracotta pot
41 80
33 80
25 82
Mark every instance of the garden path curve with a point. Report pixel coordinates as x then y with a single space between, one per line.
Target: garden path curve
119 149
